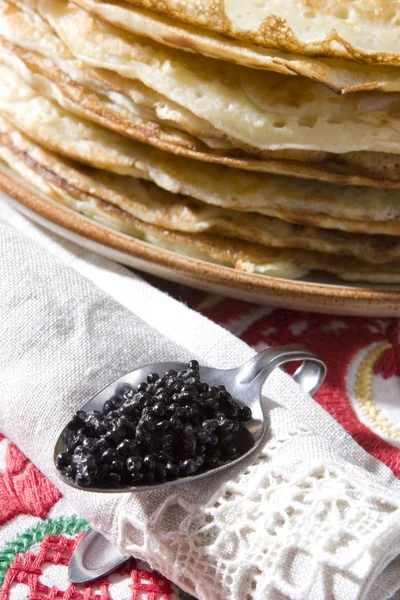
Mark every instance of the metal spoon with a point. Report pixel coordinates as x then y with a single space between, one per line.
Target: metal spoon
244 383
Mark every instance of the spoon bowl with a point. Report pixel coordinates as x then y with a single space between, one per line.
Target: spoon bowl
244 383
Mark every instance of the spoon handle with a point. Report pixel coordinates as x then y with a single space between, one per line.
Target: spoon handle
105 557
93 557
309 375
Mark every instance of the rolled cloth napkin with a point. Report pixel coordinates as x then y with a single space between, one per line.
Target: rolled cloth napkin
312 516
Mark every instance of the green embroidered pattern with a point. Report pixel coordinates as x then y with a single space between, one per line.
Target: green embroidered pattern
66 525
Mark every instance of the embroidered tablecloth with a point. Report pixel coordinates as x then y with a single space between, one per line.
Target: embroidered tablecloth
38 531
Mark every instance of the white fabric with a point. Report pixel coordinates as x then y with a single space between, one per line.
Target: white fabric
312 517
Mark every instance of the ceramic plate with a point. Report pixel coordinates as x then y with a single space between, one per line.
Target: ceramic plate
320 294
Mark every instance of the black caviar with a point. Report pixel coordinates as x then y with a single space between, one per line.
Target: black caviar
168 427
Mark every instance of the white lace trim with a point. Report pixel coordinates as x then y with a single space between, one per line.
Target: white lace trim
269 533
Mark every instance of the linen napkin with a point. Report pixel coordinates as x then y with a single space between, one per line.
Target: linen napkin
313 516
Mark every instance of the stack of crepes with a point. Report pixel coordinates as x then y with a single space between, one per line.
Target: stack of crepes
257 134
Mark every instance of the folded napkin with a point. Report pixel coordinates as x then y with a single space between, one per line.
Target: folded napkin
312 516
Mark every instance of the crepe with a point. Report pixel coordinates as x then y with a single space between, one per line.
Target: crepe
366 168
150 204
244 256
263 110
44 76
342 76
354 209
330 206
366 30
130 108
25 33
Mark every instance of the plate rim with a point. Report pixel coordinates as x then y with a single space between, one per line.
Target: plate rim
319 295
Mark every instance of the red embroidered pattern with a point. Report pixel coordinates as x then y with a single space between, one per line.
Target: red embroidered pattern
23 488
336 340
389 362
155 586
56 550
